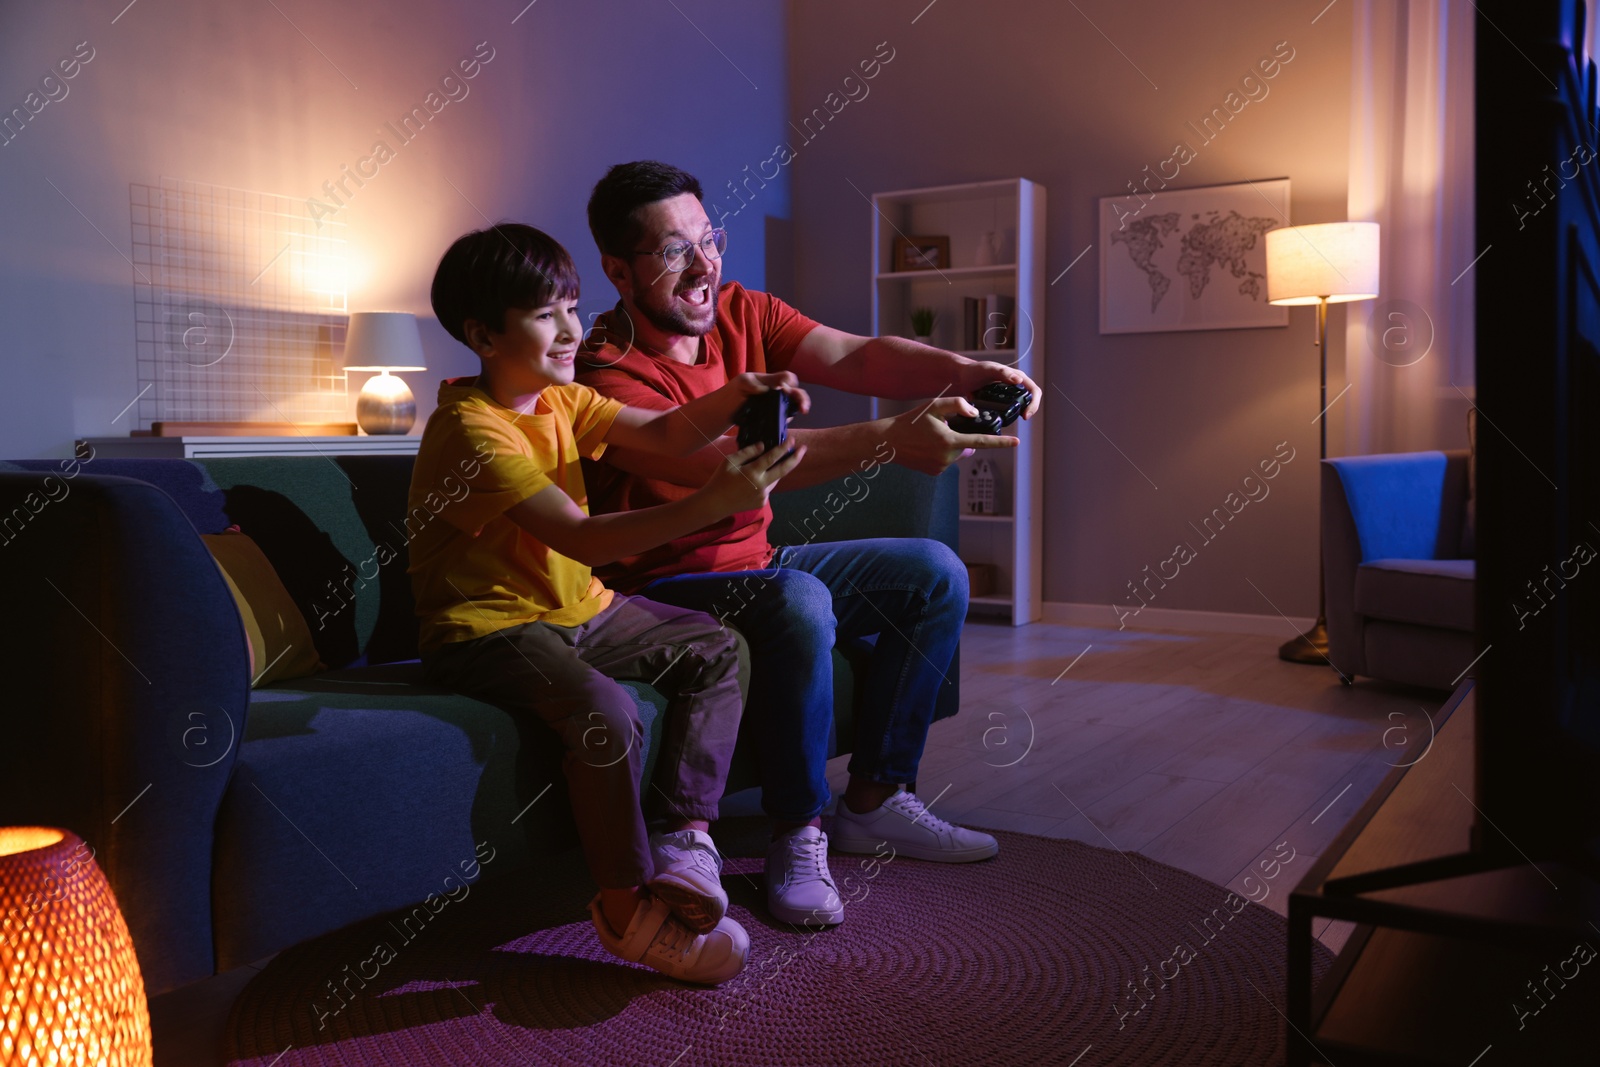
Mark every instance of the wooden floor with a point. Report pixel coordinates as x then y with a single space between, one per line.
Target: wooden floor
1204 751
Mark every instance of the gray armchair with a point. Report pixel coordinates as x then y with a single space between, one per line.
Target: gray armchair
1396 547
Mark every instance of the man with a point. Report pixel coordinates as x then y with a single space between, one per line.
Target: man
678 332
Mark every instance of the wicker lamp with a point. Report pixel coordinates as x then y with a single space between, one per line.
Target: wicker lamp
70 989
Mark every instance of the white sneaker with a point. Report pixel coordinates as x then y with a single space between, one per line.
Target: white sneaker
656 938
689 878
799 887
906 826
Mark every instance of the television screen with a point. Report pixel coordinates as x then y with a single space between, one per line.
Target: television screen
1538 435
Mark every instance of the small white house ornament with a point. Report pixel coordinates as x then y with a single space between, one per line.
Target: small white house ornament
980 488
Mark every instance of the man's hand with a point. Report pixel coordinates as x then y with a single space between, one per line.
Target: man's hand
750 383
924 442
974 376
743 481
897 368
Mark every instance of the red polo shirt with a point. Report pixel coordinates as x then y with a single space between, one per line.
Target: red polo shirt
755 331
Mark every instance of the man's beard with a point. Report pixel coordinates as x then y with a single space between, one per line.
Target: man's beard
669 318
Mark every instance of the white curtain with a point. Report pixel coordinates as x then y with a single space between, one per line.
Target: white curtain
1411 171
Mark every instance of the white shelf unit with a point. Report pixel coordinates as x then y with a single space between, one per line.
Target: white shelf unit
1013 210
219 447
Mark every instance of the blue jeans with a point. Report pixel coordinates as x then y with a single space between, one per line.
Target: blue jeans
910 592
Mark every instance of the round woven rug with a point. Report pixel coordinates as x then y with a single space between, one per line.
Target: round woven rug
1054 952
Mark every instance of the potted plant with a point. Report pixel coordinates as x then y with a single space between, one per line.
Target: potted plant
922 320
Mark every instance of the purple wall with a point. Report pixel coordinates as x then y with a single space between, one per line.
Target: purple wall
236 95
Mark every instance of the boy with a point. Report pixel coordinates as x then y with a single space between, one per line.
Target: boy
512 616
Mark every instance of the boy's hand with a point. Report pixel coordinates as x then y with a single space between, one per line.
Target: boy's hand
743 481
749 384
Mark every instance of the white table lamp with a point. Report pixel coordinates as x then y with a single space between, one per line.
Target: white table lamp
1329 263
384 342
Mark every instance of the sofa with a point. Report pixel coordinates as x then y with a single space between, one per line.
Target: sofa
1398 570
233 822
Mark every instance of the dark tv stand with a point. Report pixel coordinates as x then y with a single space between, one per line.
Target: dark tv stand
1458 958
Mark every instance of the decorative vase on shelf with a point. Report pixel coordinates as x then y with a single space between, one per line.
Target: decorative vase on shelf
988 250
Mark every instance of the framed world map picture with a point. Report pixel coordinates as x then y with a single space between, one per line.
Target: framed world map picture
1189 259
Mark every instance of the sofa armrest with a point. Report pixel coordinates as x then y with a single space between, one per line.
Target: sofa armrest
127 673
1341 557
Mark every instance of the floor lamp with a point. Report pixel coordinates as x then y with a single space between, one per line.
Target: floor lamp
1329 263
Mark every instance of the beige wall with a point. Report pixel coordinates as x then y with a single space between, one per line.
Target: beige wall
1032 89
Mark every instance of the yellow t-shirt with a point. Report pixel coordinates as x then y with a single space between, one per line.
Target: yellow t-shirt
473 570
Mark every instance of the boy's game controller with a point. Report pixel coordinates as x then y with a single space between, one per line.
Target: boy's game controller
999 404
765 418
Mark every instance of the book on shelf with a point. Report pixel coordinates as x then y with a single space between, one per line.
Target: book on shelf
999 321
988 322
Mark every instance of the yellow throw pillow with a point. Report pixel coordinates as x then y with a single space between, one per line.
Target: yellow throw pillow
280 641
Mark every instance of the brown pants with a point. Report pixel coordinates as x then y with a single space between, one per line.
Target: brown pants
565 676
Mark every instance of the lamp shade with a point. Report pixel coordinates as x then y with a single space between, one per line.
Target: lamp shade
70 988
1335 261
383 340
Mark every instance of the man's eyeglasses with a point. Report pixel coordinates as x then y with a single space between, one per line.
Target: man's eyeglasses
678 255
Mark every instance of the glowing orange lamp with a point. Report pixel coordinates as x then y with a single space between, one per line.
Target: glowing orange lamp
70 989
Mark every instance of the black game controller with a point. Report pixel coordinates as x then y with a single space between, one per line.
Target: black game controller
999 404
764 418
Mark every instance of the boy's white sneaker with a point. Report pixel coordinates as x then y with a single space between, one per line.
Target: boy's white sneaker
689 878
656 938
800 888
906 826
